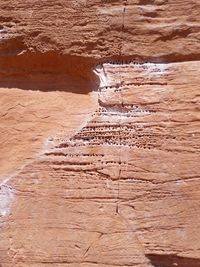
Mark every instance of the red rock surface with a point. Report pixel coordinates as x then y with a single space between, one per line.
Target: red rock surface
99 133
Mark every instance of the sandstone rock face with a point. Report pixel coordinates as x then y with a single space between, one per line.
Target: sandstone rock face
99 133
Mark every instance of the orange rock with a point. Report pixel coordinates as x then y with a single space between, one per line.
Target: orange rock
100 133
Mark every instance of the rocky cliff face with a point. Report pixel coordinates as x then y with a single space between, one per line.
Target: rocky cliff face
99 133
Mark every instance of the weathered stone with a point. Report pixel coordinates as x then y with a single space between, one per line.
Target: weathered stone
100 133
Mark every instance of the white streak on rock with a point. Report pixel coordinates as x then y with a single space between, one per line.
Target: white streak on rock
156 69
99 71
6 198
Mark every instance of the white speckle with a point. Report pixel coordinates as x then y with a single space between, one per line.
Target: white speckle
99 71
156 69
107 184
22 52
2 213
49 143
3 33
6 198
148 8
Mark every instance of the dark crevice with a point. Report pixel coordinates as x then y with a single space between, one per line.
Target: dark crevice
146 2
52 71
152 2
172 261
165 59
48 72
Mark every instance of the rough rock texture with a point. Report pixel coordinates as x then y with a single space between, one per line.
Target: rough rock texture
99 133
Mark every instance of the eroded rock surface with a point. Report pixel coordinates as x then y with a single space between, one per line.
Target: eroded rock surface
99 133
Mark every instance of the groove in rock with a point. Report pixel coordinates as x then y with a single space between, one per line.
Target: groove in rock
172 261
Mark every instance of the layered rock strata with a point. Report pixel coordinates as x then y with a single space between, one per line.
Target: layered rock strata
124 189
99 168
